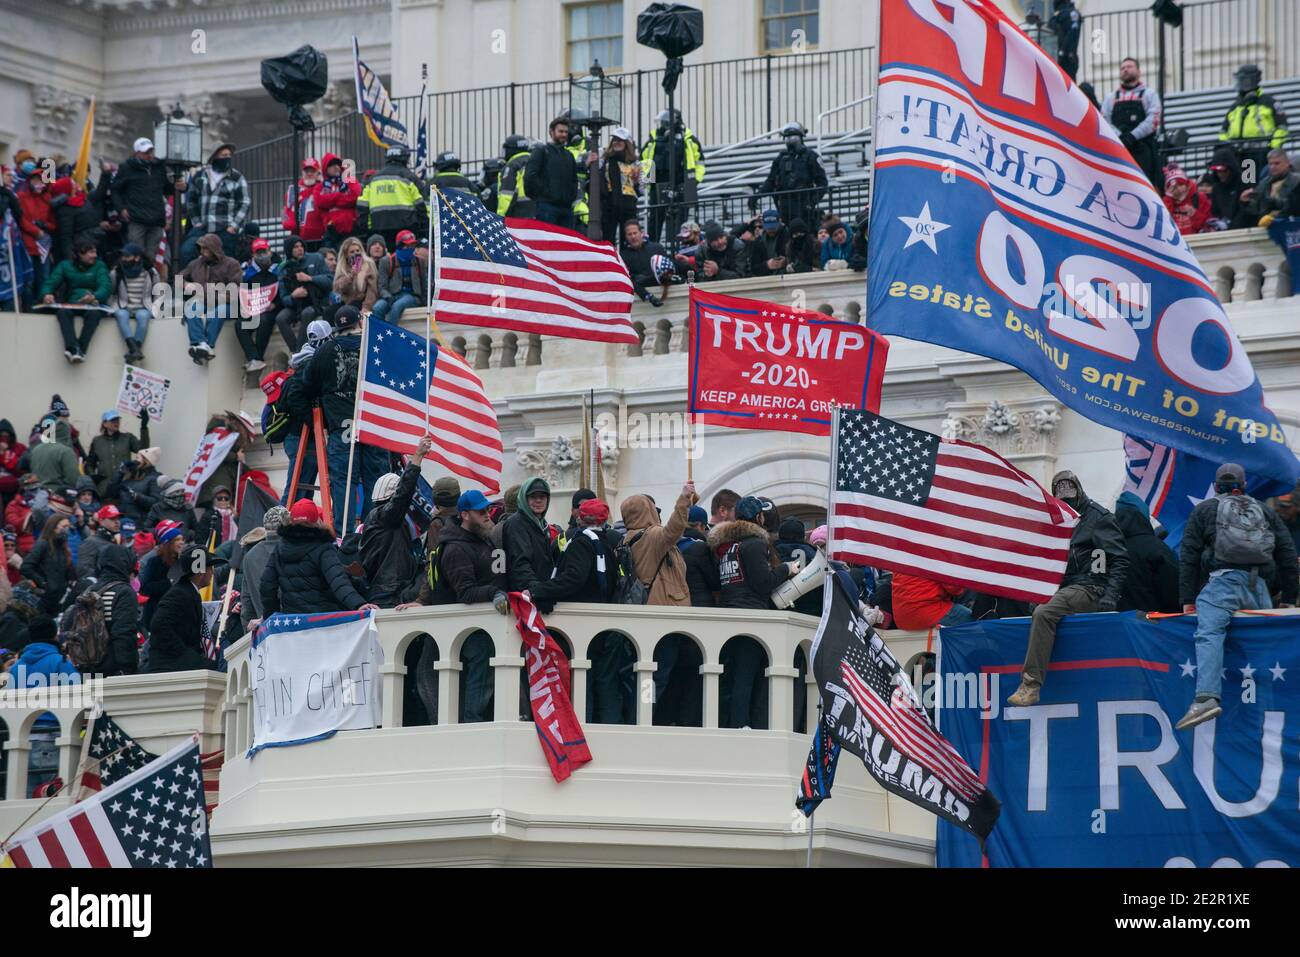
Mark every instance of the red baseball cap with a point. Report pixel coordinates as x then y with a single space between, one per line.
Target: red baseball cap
272 384
310 163
259 244
594 508
108 511
405 236
305 510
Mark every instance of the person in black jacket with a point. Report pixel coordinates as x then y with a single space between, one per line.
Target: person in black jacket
462 568
305 286
171 507
749 571
718 256
587 569
796 176
160 568
638 256
121 610
551 177
139 193
386 554
49 564
1094 580
791 547
701 565
526 538
179 626
766 250
135 486
306 575
1233 548
1152 580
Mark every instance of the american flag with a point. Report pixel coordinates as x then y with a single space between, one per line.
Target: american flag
392 404
153 817
526 275
111 755
949 511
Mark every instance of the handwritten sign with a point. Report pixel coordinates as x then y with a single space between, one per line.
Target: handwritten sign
142 389
313 675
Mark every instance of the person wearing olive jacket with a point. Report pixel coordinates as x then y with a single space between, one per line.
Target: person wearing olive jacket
78 285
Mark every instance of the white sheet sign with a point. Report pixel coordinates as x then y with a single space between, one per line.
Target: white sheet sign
313 675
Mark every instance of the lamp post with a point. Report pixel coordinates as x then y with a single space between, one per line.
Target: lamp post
178 142
595 100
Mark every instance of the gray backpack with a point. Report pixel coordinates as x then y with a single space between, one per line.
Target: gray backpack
1242 533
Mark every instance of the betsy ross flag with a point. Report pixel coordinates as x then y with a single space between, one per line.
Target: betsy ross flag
153 817
525 275
111 754
404 392
872 711
946 510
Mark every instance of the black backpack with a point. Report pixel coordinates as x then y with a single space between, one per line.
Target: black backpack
630 589
287 414
83 633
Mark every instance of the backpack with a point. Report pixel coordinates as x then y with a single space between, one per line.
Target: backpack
630 589
290 409
83 634
1242 533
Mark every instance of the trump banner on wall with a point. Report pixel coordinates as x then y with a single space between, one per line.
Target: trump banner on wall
313 675
1095 775
761 365
1009 221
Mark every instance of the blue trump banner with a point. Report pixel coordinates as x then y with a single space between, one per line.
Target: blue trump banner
1095 774
1008 220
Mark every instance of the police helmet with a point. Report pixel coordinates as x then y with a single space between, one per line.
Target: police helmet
1248 77
514 144
446 161
399 153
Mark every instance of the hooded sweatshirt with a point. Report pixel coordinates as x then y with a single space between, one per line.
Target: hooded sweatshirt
117 601
1096 532
336 198
221 270
530 550
55 462
1225 196
319 283
657 560
1192 213
1152 581
9 459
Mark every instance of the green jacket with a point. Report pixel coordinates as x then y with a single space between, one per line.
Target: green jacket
512 198
55 463
1255 117
78 279
106 453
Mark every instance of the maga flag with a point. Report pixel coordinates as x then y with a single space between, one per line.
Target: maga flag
1009 221
761 365
872 711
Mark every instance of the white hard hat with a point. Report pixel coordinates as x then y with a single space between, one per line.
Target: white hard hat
385 487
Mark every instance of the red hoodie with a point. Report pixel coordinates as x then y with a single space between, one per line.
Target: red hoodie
919 603
1193 212
9 456
36 207
337 199
307 221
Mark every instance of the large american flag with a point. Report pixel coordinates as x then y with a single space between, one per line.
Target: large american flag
949 511
526 275
394 410
153 817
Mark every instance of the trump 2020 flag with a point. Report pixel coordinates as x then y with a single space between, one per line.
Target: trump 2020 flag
153 817
313 675
872 711
1009 221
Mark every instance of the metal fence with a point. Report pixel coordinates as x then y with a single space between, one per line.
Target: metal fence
728 101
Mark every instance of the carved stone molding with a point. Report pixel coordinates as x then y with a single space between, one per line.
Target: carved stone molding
560 462
340 98
115 131
1025 427
215 113
55 113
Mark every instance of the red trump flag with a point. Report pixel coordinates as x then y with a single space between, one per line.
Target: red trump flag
761 365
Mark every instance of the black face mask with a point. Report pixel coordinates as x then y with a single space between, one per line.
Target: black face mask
132 269
221 164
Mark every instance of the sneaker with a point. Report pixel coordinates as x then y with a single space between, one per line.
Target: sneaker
194 353
254 365
653 299
1024 696
206 349
1202 709
78 357
69 355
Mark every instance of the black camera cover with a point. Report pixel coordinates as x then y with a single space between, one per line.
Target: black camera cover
297 79
674 29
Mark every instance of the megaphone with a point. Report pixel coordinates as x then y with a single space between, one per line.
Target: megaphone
809 578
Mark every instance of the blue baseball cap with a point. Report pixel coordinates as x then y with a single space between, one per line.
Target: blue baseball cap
749 508
771 219
697 514
472 501
110 415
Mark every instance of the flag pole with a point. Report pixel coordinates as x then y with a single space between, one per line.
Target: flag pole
435 197
352 445
230 581
13 264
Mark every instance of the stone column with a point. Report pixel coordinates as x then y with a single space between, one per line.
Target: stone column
645 703
580 670
505 682
780 683
712 685
17 752
448 691
391 674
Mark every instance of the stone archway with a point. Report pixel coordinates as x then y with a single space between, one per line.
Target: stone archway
792 477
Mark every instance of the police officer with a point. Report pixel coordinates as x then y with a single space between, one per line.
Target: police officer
1255 123
512 197
1067 24
687 167
577 147
393 199
796 177
1134 111
489 182
447 174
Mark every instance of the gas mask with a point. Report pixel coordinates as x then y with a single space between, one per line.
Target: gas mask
793 142
1066 490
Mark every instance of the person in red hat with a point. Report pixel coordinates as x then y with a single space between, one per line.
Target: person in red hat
336 200
403 279
1189 207
258 305
306 220
306 575
108 523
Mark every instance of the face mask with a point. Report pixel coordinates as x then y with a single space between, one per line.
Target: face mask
1067 491
262 259
28 166
405 255
132 269
221 164
38 187
793 142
